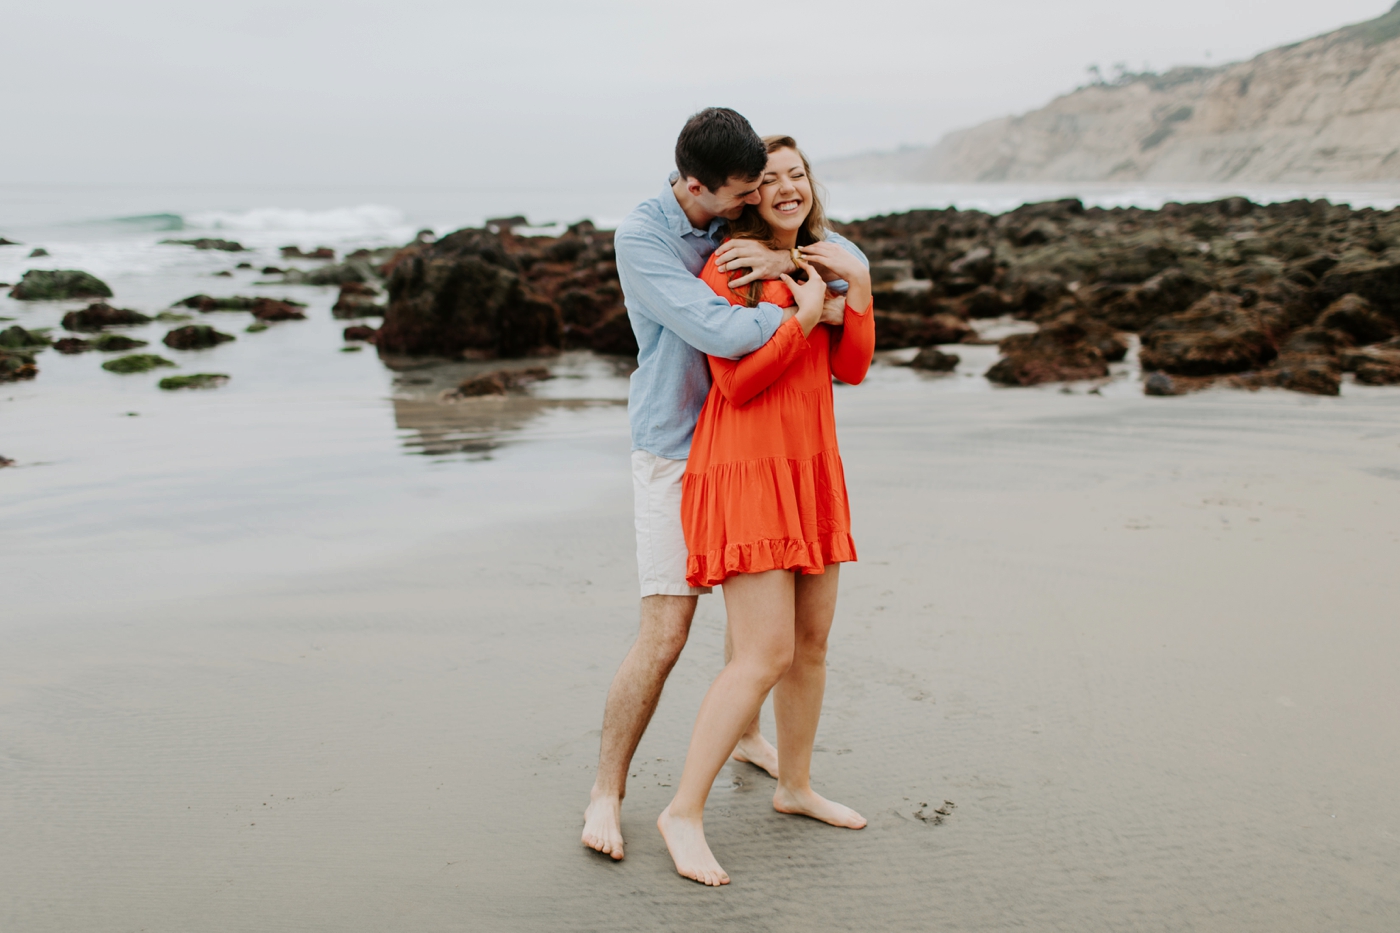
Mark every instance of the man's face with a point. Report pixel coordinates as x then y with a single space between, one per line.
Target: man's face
728 202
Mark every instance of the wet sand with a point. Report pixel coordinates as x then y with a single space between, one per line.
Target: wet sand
1146 647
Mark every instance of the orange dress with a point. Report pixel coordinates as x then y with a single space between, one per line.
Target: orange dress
763 487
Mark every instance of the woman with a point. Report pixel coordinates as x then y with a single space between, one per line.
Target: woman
764 509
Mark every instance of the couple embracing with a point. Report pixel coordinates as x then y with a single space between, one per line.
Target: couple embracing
744 306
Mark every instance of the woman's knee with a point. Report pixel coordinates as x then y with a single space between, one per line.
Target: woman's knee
767 664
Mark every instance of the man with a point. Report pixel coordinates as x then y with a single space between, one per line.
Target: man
661 248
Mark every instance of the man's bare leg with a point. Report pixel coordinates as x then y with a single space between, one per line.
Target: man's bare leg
632 699
753 748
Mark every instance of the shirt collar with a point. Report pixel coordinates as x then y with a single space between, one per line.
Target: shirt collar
675 217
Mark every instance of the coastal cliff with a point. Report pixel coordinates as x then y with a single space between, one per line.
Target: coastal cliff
1320 111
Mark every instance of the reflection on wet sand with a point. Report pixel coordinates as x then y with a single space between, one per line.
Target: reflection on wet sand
437 422
476 426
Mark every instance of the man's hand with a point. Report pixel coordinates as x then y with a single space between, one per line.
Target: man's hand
833 262
763 263
834 310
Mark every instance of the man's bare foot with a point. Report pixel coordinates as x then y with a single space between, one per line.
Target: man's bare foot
810 803
690 852
602 825
758 751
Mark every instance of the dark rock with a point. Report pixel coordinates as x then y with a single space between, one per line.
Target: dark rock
72 345
320 252
1168 292
15 337
244 265
985 301
978 264
1061 351
227 246
895 331
225 274
205 304
257 327
352 270
5 242
6 461
1160 384
136 363
360 332
38 252
16 365
1377 280
59 285
1309 270
935 360
270 309
499 382
1313 374
1317 340
614 337
1215 335
465 292
193 381
195 337
271 270
99 315
1354 316
357 299
1376 367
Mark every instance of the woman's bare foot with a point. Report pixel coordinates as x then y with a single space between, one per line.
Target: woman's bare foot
810 803
757 751
690 852
602 825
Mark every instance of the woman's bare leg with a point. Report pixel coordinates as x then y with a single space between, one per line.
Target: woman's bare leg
797 703
752 748
760 608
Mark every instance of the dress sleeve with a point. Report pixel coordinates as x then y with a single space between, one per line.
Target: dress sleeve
853 346
740 380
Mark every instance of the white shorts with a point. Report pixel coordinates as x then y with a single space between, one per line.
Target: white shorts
661 553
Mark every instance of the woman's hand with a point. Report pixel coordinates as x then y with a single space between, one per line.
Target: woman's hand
810 296
836 263
762 262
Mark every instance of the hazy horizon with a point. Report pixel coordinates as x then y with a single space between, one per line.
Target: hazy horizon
548 94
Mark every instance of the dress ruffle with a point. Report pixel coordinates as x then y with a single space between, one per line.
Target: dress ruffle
772 513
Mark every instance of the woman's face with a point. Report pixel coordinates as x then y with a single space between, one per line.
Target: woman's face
786 192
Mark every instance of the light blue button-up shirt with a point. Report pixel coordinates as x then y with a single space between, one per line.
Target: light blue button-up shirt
678 319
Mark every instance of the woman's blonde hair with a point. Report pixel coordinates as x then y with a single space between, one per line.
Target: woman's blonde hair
750 225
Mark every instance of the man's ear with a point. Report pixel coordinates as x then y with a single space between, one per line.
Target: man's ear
694 187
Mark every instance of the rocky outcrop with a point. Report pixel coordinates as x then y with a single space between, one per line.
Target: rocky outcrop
195 337
16 365
1321 111
498 382
935 360
59 285
1064 349
136 363
361 332
98 315
320 252
102 342
1213 289
357 299
271 309
484 293
227 246
15 337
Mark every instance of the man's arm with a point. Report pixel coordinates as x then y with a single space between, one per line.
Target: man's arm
659 286
765 263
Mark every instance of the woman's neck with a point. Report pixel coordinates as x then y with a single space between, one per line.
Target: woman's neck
785 239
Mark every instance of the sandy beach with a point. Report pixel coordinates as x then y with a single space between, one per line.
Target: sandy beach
1138 652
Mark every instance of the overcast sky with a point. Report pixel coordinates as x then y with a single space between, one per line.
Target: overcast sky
549 93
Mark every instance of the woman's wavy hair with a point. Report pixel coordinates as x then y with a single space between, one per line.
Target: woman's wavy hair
750 225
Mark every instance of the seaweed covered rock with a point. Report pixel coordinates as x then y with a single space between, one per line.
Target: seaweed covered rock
1168 292
193 381
360 332
1063 350
271 309
15 337
1215 335
136 363
16 365
935 360
104 342
894 331
195 337
59 285
465 292
99 315
498 382
357 299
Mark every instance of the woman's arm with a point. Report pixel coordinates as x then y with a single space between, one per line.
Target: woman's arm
739 381
853 346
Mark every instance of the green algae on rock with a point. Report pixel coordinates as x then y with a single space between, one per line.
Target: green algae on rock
17 338
16 365
257 327
195 337
136 363
227 246
99 314
59 284
194 381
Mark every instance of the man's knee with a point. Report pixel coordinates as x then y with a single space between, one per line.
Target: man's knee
665 626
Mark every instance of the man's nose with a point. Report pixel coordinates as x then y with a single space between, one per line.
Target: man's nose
753 197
